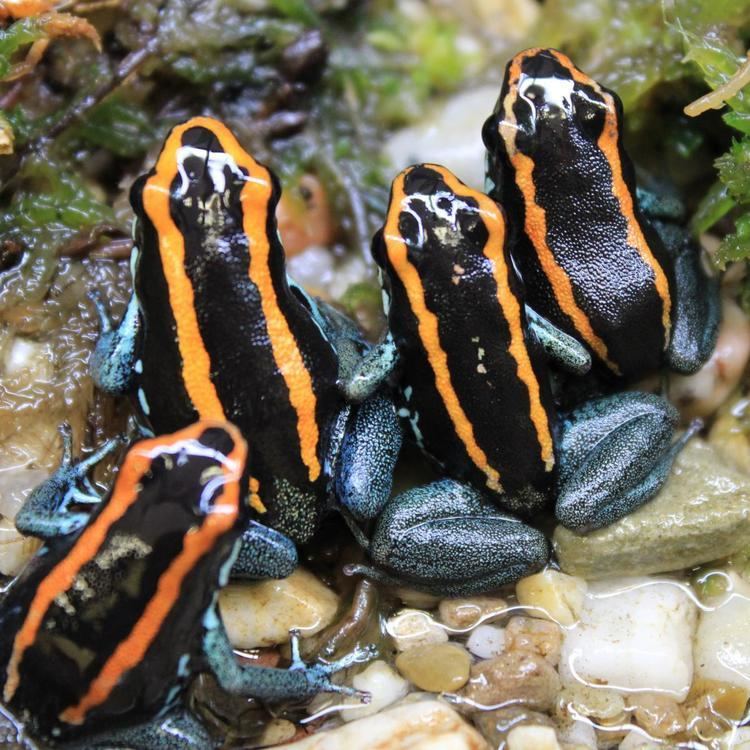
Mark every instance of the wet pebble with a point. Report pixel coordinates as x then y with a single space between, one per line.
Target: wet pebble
634 634
597 702
466 613
519 677
702 511
532 738
552 594
495 725
384 685
262 613
659 715
486 641
411 628
541 637
437 668
421 725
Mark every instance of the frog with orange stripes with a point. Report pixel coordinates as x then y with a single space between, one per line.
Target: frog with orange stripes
632 291
102 632
216 330
476 396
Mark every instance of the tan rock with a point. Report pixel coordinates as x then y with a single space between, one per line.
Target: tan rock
384 685
532 738
552 594
437 668
410 628
541 637
466 613
422 725
495 725
660 715
262 613
516 678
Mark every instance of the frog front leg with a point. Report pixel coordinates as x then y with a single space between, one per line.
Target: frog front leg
369 449
114 361
448 539
299 681
371 371
560 348
615 454
178 730
45 513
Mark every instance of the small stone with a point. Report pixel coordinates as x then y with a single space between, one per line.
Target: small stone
660 715
495 725
532 738
262 613
422 725
384 685
530 634
410 628
634 740
486 641
517 678
276 732
721 698
634 634
438 668
703 510
603 705
576 734
466 613
552 594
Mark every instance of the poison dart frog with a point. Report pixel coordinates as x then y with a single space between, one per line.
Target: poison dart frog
592 262
475 394
216 330
104 628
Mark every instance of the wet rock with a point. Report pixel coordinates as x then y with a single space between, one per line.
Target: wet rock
411 628
532 738
517 678
437 668
422 725
15 549
599 703
495 725
634 634
384 685
538 636
486 641
552 594
576 734
262 613
703 511
660 715
466 613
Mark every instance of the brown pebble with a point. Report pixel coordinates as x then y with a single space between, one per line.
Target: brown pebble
541 637
517 677
465 613
660 715
437 668
495 725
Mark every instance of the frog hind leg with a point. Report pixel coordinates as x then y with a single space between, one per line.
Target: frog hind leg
697 311
264 553
446 538
177 730
367 457
615 454
113 362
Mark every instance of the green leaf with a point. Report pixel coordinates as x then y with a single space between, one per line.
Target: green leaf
735 246
17 35
715 204
297 10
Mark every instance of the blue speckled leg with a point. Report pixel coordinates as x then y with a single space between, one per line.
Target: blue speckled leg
448 539
264 553
697 312
299 681
615 454
367 457
371 371
114 359
45 514
178 730
563 350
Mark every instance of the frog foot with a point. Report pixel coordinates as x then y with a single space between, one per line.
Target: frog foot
319 674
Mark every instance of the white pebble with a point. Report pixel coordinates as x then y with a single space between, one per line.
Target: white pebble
486 641
634 634
577 733
452 130
736 739
722 642
383 683
413 627
635 739
26 355
262 613
531 737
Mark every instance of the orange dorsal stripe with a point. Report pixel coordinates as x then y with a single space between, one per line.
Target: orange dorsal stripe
196 543
196 364
62 576
255 197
